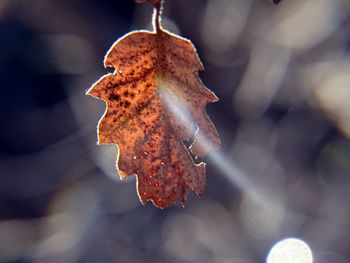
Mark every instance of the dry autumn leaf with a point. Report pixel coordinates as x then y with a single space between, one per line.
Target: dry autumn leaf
155 101
275 1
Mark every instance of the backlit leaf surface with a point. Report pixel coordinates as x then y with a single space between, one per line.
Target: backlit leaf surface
155 101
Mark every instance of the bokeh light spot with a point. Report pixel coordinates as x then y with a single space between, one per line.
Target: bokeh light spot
290 250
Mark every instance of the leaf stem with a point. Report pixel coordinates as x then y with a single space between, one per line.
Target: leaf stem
157 15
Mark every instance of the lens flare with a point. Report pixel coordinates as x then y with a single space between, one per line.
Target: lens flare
226 167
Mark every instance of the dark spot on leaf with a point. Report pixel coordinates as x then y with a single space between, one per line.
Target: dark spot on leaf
114 97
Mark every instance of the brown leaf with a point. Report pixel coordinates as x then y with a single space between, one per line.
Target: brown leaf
155 100
155 3
275 1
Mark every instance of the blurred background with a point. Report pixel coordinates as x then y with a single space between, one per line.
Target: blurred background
282 178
